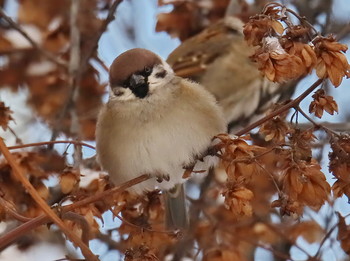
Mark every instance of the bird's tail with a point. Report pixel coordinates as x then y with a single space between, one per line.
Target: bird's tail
175 208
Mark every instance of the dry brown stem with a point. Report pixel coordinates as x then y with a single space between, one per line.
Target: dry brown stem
11 236
17 171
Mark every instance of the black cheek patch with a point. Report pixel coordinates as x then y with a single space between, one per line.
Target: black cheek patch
141 90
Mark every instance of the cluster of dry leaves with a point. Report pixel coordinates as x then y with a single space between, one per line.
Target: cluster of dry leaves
43 69
291 51
260 191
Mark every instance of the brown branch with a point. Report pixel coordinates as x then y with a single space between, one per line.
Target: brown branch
75 78
344 32
282 109
93 43
284 236
334 126
18 139
50 142
84 225
17 171
130 224
103 65
284 9
271 177
317 125
106 193
253 242
47 54
327 236
11 236
273 251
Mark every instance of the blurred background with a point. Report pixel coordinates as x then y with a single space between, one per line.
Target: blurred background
41 96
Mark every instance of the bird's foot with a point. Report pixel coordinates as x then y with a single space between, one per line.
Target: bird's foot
162 177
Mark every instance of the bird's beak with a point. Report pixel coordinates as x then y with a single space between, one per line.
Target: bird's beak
137 80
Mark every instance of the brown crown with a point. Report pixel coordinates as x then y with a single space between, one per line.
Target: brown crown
129 62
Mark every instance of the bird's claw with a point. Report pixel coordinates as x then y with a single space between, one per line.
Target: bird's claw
162 177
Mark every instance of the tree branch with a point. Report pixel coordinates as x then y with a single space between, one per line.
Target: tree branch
93 43
282 109
43 219
51 142
17 172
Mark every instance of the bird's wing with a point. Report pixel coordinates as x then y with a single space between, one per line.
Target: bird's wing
192 56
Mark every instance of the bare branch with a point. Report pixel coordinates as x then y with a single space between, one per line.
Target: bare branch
51 142
17 171
93 43
284 108
21 230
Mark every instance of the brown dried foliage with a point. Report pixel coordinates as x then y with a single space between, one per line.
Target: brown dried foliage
331 61
287 52
5 116
340 164
235 209
302 185
275 129
37 166
189 17
343 234
48 83
321 103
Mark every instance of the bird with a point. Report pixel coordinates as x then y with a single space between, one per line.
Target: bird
155 123
219 59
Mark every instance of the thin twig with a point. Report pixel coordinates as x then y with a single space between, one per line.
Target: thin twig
281 234
51 142
271 176
21 230
282 109
343 32
47 54
17 171
84 225
103 65
74 75
74 79
334 126
319 126
300 18
274 252
127 222
93 43
327 236
18 139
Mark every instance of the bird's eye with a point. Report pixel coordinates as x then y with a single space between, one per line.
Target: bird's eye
147 69
160 74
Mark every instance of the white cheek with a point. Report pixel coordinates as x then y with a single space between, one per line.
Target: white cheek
156 82
126 96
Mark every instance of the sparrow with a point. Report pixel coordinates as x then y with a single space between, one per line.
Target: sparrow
155 123
218 58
